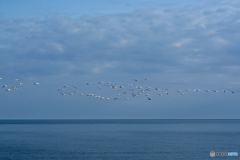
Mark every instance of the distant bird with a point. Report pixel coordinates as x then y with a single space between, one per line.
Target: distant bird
36 83
116 98
100 82
187 90
224 91
135 80
65 86
168 93
134 95
149 98
197 90
128 99
14 88
8 90
215 91
159 94
17 80
87 83
233 92
207 90
75 87
63 94
0 78
80 94
107 98
20 84
4 86
178 90
145 78
156 88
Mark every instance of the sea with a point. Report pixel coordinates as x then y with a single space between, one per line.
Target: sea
119 139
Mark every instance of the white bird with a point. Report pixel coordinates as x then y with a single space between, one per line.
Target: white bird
128 99
17 80
36 83
107 98
4 86
8 90
14 88
168 93
63 94
20 84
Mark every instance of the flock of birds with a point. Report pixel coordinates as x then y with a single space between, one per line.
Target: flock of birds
125 92
12 88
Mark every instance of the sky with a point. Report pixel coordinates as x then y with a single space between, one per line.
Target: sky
174 44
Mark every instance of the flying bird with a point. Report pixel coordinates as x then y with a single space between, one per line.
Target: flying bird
36 83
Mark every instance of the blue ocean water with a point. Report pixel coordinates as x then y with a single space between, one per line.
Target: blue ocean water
138 139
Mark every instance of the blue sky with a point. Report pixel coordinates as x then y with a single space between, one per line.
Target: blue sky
174 44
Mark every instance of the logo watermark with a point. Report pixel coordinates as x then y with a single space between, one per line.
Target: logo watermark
212 153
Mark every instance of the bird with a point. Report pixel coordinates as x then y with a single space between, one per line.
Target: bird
207 90
8 90
63 94
134 95
233 92
75 87
65 86
4 86
159 94
168 93
149 98
36 83
128 99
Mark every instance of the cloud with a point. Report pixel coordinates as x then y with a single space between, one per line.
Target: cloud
144 41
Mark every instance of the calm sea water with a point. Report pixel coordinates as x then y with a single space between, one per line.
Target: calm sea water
117 139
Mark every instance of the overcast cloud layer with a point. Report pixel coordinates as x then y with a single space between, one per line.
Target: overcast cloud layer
189 46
